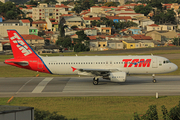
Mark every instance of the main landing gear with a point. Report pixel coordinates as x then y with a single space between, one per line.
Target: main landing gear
154 80
95 81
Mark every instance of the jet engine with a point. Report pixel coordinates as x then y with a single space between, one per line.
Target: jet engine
116 77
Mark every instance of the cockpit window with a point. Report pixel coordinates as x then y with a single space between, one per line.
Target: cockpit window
166 61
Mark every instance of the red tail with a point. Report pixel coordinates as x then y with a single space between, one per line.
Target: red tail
19 46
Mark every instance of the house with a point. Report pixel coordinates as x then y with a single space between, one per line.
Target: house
10 23
88 20
131 44
146 43
90 31
168 27
153 27
34 40
106 30
161 35
72 21
40 25
143 21
98 45
135 30
33 31
140 37
115 44
120 18
24 22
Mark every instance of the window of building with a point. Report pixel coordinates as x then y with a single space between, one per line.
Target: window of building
50 14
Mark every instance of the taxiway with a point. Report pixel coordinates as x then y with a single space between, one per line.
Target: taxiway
83 86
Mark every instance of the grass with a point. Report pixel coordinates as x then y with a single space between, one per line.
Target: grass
96 108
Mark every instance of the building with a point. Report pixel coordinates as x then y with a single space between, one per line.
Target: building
153 27
90 31
34 40
16 113
162 35
71 21
20 29
44 10
131 44
106 30
115 44
10 23
24 22
135 30
88 20
40 25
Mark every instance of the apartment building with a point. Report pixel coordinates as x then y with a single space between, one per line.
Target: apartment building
44 10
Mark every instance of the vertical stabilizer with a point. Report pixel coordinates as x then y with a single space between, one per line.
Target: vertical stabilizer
19 46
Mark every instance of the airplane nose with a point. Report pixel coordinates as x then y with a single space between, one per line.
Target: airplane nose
175 67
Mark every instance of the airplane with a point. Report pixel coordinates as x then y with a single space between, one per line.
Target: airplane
113 68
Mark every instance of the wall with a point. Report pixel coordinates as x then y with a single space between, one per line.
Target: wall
20 29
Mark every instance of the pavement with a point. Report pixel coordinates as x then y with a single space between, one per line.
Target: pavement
83 86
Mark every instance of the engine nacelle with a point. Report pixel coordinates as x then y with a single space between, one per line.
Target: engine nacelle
118 76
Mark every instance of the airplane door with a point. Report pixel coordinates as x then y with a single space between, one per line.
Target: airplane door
154 62
40 64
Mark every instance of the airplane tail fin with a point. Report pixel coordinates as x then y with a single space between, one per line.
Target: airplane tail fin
19 46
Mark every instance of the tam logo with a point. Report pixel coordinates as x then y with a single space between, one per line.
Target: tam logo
137 62
21 45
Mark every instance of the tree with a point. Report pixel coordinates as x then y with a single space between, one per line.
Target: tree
80 47
11 15
32 3
46 115
81 36
65 42
143 9
109 4
9 10
176 41
151 113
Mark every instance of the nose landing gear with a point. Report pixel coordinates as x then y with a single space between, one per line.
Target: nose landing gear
154 80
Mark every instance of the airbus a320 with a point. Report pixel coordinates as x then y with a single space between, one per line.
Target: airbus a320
113 68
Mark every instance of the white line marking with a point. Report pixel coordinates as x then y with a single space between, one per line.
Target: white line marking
39 88
24 85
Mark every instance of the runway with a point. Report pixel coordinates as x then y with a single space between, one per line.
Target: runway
83 86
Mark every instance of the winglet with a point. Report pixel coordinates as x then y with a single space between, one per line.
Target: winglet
73 69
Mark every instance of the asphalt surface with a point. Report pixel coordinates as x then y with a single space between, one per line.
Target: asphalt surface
83 86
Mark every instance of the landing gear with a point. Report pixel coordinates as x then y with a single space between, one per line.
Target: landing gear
154 80
95 81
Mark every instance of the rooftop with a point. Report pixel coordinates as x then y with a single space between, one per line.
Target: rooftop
34 37
25 20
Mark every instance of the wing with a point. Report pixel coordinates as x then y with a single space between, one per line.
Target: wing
97 72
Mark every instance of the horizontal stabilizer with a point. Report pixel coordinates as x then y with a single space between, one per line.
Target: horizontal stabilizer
22 63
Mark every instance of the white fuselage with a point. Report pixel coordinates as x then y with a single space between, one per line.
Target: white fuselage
128 64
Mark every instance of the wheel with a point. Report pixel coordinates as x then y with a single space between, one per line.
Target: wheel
154 81
95 82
